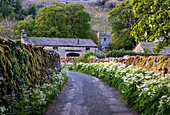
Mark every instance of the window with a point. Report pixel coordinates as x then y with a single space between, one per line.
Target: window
87 49
72 55
104 39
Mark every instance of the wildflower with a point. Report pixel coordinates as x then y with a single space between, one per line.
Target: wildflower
2 109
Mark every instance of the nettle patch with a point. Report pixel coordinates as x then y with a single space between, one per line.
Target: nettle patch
146 92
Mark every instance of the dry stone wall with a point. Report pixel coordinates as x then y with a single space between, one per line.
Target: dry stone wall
157 64
24 65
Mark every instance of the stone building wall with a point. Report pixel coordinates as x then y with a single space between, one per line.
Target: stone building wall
93 49
65 51
104 39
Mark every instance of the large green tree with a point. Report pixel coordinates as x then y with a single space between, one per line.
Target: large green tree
121 19
11 9
154 23
59 20
51 22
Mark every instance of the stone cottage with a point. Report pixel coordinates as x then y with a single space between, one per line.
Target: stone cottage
150 46
104 39
66 47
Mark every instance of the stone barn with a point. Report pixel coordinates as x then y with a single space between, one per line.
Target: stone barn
66 47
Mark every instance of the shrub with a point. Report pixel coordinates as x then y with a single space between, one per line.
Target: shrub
86 57
69 66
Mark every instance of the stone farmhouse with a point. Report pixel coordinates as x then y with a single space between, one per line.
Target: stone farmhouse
104 39
150 46
66 47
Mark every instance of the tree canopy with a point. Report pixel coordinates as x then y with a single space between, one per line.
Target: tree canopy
59 20
154 24
11 9
121 19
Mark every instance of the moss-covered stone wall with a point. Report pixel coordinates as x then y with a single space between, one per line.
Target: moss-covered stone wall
157 64
24 65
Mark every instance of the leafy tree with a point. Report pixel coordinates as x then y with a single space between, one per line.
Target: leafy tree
94 37
10 12
81 25
5 8
126 43
59 20
27 25
17 6
121 19
154 23
51 22
11 9
32 11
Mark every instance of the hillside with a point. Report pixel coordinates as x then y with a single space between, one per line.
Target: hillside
99 20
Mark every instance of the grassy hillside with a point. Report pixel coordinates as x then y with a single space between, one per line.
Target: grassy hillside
98 18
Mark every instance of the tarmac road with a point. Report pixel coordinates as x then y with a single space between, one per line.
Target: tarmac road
86 95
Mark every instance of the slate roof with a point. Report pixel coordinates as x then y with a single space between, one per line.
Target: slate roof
151 45
64 42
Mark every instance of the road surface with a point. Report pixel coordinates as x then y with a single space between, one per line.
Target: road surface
86 95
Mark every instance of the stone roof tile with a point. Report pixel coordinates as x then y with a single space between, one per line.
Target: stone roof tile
44 41
151 45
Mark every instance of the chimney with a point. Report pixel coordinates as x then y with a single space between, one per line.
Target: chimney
78 41
23 35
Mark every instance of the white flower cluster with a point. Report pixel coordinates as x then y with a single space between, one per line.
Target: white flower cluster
146 83
39 96
69 66
2 110
164 101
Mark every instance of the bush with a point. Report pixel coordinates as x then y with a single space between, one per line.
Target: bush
146 92
122 52
86 57
69 66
